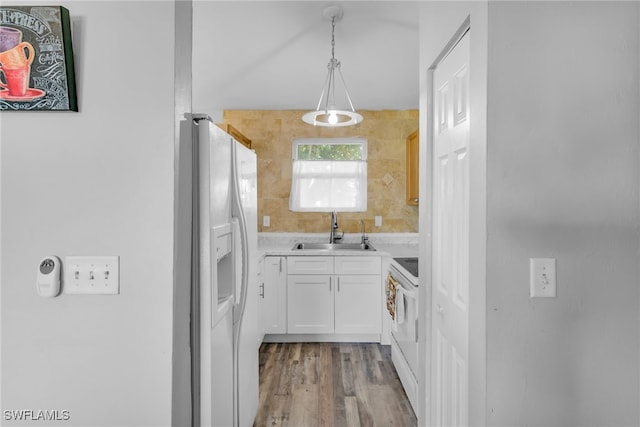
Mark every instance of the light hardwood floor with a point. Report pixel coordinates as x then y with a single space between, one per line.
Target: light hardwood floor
330 384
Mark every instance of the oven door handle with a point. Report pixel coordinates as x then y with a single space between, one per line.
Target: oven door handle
407 292
408 288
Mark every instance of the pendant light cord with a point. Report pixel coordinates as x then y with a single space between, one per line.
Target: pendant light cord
333 39
332 66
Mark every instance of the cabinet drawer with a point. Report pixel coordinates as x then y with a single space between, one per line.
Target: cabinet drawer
358 265
310 265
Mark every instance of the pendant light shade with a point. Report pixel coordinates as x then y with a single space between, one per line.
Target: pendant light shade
328 113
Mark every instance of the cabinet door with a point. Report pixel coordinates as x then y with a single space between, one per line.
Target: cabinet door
261 305
310 304
274 303
412 168
358 305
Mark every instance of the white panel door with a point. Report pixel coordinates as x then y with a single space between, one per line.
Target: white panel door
451 238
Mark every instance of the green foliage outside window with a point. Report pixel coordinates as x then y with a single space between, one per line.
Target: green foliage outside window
330 151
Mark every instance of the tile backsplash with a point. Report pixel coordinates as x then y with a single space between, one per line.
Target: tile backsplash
272 133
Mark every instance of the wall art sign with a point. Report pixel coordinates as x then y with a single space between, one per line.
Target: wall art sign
36 59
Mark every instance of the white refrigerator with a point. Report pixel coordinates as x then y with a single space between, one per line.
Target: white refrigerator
226 331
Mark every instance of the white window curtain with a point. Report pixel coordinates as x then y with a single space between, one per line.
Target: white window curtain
329 185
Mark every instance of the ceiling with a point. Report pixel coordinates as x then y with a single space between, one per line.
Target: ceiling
274 54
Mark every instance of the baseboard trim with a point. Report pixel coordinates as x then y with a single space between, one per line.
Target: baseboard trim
271 338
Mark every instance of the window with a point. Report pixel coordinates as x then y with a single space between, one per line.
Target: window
329 174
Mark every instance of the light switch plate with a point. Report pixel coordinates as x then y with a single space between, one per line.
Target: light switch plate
266 221
94 275
378 221
542 277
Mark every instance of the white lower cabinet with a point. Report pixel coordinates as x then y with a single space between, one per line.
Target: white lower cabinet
340 295
310 304
357 305
274 294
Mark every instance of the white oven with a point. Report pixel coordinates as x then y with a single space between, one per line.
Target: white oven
404 328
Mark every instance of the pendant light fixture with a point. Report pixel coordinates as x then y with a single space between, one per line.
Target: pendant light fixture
327 113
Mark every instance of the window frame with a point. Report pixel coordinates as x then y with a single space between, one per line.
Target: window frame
361 204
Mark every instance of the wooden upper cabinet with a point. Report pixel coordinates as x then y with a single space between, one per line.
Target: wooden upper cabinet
412 169
235 133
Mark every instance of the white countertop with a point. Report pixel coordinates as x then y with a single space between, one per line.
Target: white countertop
386 244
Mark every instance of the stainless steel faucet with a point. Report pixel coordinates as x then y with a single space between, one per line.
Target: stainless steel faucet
364 239
334 226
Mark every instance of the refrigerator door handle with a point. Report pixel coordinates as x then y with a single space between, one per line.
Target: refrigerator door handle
244 241
238 311
237 253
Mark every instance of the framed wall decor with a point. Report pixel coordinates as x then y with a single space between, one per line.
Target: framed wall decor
36 59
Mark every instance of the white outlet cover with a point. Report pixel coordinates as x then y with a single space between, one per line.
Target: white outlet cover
93 275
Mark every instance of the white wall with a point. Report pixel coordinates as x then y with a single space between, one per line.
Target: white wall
96 182
563 183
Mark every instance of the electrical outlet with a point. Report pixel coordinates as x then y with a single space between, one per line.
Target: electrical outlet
95 275
542 277
378 221
266 221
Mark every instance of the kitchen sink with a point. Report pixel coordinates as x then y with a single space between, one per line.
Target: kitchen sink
334 246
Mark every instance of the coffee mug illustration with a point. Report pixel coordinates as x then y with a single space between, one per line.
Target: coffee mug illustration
16 58
9 38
